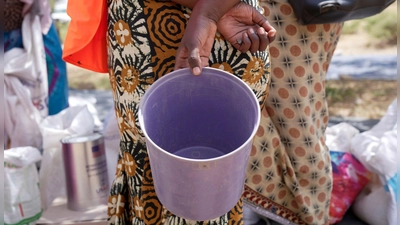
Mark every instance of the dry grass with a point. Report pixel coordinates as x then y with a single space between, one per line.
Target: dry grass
79 78
360 98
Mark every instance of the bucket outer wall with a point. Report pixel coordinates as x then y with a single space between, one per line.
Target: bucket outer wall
199 189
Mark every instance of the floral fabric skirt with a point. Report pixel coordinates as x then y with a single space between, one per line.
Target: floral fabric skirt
143 37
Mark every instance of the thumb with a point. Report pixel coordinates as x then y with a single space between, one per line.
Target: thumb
194 61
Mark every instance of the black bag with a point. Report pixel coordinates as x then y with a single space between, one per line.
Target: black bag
334 11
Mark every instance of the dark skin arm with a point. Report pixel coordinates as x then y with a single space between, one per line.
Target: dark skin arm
189 3
197 41
246 28
242 25
225 4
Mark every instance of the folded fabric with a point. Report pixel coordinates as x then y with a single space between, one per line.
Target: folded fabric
349 178
85 44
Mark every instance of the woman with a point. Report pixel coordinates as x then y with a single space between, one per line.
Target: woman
289 175
132 73
148 39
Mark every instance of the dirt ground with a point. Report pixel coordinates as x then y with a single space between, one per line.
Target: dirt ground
361 98
350 98
366 99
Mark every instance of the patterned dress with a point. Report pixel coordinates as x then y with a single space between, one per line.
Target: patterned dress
289 173
143 37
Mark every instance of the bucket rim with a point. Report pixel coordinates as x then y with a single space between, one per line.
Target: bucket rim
185 72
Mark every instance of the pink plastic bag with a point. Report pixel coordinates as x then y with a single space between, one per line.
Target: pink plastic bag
349 178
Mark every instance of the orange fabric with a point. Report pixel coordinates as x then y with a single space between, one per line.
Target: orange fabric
85 44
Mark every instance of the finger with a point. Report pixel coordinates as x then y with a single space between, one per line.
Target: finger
180 60
246 43
270 30
194 61
260 20
264 40
236 42
267 26
255 41
271 36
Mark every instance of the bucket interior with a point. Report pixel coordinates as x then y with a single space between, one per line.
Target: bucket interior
199 117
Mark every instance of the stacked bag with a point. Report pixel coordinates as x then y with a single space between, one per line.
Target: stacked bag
376 149
365 170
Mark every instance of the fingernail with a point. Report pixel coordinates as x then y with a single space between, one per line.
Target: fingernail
261 30
251 31
196 71
271 33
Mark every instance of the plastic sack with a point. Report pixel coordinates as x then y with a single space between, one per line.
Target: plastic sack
29 64
70 121
371 205
338 137
22 203
90 102
26 88
377 151
21 118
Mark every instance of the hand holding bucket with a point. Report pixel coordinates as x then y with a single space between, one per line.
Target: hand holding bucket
199 132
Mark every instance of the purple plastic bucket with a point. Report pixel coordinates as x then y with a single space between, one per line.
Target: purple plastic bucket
199 132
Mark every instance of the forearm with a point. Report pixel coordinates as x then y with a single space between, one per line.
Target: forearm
212 9
187 3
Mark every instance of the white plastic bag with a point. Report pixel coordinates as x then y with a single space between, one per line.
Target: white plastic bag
70 121
21 118
90 102
22 203
26 87
371 205
376 149
29 64
338 137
